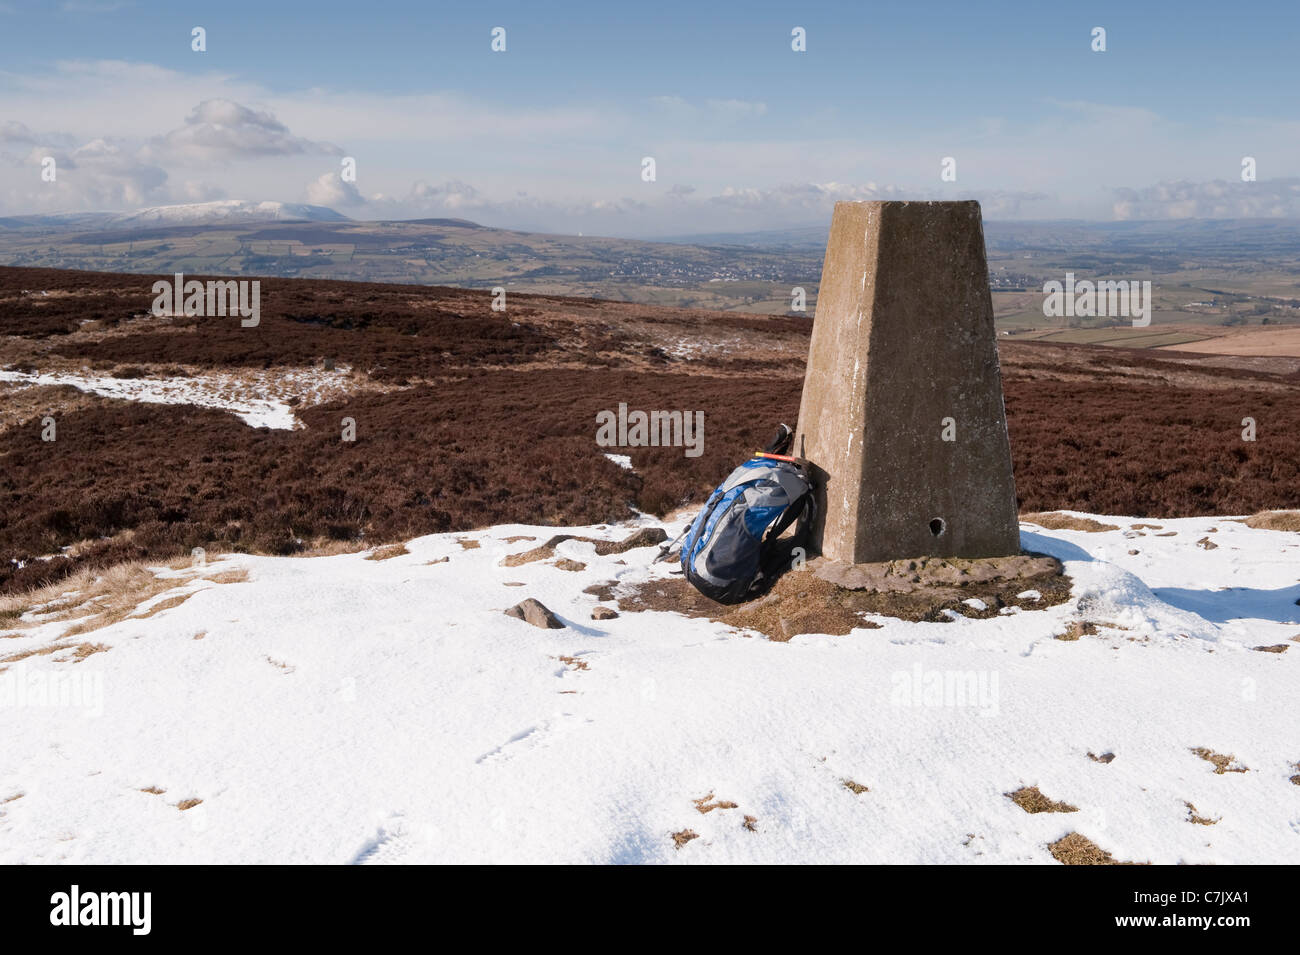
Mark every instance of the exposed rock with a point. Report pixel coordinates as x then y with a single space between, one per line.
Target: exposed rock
645 537
534 612
541 552
603 590
603 613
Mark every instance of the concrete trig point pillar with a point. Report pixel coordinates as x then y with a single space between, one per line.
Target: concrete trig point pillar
902 415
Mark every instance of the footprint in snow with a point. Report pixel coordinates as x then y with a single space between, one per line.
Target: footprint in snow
391 843
534 737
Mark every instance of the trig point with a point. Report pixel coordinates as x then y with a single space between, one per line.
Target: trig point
902 415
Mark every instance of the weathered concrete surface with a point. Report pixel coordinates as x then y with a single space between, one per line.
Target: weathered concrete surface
903 338
908 576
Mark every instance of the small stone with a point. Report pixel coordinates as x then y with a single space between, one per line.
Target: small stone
603 613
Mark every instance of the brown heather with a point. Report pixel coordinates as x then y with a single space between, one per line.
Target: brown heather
492 421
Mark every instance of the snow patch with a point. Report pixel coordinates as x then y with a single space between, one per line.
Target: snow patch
463 738
238 394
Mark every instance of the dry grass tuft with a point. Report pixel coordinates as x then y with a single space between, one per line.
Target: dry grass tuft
1222 764
167 603
328 547
1077 629
1056 521
1074 849
704 806
187 804
574 662
1274 648
79 652
681 838
751 823
238 576
1192 817
153 790
805 601
387 552
1103 758
855 787
38 652
96 599
1031 800
1274 521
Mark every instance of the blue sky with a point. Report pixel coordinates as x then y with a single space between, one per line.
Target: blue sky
745 132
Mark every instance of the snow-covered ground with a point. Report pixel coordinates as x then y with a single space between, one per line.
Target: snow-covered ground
340 710
242 395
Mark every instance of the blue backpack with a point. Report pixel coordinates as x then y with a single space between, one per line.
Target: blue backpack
730 551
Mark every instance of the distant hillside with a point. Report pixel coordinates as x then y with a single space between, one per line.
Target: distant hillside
289 241
219 212
1215 271
224 211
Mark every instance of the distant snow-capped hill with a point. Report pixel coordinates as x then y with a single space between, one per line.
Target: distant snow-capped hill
226 210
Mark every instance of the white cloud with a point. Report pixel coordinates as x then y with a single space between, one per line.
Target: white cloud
723 163
97 175
1218 199
196 191
330 190
15 132
221 130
